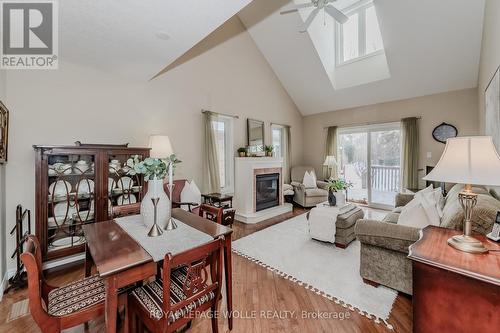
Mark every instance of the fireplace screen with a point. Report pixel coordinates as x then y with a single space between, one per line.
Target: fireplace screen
267 191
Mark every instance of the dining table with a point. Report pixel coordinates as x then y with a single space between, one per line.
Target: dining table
123 256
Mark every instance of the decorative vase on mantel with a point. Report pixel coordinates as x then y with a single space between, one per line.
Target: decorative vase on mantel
155 190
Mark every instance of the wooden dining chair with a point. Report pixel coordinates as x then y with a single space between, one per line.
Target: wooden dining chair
58 308
126 210
187 286
211 213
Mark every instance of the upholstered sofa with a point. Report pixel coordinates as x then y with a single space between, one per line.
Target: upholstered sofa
307 197
384 244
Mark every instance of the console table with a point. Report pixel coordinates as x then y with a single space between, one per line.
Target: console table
454 291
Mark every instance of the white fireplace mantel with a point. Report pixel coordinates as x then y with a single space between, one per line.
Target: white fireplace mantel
245 172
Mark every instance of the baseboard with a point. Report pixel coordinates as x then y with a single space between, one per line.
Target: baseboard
5 281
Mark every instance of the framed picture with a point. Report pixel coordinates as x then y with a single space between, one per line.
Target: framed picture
4 132
492 108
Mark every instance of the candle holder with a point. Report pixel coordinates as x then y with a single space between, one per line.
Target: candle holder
171 225
155 229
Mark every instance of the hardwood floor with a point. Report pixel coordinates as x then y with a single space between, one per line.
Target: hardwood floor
263 301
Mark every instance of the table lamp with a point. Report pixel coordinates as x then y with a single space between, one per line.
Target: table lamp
162 148
330 162
468 160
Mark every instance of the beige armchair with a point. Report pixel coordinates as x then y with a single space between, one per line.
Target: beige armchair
307 197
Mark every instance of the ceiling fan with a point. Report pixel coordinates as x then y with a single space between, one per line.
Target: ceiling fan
319 4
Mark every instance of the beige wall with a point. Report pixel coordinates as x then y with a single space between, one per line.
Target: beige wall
490 53
458 108
3 254
77 103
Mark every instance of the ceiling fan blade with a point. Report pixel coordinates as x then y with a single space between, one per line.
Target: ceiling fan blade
309 20
296 8
289 11
336 14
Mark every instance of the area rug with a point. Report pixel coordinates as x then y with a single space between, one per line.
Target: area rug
287 249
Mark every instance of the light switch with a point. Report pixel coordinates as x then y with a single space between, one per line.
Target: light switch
429 154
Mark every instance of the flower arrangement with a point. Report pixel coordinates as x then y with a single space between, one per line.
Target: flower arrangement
335 185
151 168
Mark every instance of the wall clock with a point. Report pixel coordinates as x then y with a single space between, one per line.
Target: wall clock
443 132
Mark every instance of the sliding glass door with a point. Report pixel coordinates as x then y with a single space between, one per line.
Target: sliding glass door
370 159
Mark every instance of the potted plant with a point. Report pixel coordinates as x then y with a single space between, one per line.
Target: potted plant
336 191
154 171
242 151
269 150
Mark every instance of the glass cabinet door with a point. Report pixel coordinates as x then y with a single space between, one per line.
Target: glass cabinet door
71 199
124 187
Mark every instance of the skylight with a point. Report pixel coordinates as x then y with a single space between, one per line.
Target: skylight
359 37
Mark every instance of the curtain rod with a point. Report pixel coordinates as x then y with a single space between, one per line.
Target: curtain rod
370 123
222 114
283 125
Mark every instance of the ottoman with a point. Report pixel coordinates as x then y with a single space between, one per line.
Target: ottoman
345 226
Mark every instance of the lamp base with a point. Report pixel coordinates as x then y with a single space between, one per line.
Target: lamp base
467 244
171 225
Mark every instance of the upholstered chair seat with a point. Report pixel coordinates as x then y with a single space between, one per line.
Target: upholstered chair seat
76 296
150 296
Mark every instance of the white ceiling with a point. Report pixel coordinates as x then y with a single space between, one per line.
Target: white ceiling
431 47
120 36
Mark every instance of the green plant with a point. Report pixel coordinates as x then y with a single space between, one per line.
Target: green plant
242 150
150 167
269 148
335 185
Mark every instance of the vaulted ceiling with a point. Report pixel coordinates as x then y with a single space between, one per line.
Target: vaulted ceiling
137 38
430 46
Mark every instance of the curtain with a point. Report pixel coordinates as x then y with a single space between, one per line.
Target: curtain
331 149
409 152
211 177
286 154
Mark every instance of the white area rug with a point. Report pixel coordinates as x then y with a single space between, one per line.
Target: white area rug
287 249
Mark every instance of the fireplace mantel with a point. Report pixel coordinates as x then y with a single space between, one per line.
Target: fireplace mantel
246 169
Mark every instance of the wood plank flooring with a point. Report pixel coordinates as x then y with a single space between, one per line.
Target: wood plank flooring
263 301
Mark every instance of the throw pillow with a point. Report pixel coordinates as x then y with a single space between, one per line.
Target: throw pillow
190 193
309 180
414 216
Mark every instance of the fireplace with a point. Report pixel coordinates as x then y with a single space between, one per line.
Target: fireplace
267 191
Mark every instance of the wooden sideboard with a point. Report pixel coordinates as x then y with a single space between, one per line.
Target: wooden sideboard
77 185
454 291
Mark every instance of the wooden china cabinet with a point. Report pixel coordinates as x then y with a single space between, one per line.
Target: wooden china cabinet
80 184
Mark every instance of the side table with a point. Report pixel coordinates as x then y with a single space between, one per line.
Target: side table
454 291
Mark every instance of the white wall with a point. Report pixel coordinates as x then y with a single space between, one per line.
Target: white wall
78 103
458 108
490 53
3 254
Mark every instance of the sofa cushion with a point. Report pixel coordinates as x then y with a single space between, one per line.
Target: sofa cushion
453 192
316 192
483 215
392 217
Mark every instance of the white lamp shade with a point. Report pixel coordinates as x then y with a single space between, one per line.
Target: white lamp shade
468 160
330 161
160 146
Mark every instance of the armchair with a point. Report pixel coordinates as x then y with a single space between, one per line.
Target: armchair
178 186
307 197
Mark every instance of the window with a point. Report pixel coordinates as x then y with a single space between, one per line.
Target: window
277 135
360 36
223 128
